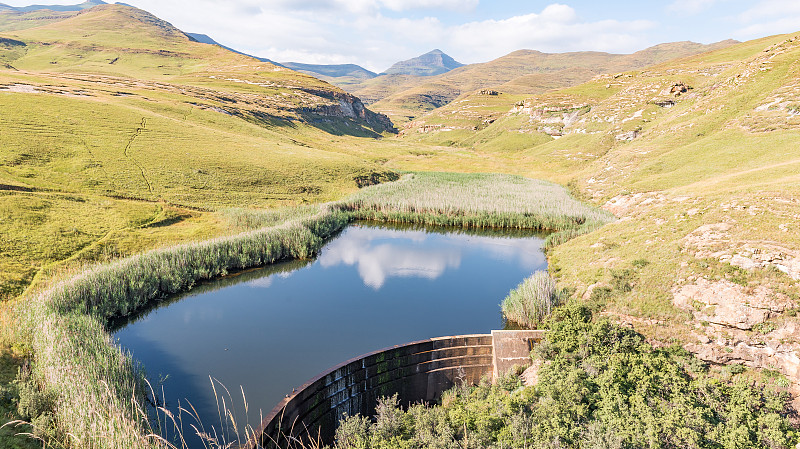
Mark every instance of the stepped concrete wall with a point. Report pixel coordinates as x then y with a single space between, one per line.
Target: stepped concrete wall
418 372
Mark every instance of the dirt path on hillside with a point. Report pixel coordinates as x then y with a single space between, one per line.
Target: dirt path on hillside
127 149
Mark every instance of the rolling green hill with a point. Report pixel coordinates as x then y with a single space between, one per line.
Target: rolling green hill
61 8
699 159
11 19
124 121
528 71
123 134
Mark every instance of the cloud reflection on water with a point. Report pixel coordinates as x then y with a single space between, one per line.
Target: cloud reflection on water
377 260
266 281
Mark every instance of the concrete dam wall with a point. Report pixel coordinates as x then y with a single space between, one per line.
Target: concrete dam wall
418 371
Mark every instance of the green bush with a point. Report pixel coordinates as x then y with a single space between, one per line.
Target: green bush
600 386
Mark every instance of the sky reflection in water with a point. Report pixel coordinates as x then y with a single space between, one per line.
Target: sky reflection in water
272 329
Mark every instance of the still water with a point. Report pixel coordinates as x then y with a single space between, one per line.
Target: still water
270 330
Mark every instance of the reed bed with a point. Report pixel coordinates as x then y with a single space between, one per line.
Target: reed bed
120 288
248 219
474 200
532 301
99 391
98 388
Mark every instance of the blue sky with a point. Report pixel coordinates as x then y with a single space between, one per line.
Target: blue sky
377 33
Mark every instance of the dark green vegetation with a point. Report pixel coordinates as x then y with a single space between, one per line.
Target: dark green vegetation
14 407
599 386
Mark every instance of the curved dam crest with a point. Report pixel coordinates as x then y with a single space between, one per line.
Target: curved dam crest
417 372
269 330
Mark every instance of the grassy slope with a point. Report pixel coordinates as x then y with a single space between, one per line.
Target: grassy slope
521 72
73 170
724 153
159 129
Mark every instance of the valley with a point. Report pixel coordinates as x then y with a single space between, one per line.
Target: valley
137 160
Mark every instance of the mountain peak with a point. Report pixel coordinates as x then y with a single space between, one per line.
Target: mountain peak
435 62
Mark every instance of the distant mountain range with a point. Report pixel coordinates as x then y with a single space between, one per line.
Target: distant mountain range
332 70
411 88
523 72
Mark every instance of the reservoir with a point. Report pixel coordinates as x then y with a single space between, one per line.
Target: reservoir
269 330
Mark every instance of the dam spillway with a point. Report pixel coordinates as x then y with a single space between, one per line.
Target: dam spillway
417 372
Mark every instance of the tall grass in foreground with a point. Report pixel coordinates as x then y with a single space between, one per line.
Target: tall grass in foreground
532 301
98 392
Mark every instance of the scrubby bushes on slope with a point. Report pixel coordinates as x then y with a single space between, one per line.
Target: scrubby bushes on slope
599 386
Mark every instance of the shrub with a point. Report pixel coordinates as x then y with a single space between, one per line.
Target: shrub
602 386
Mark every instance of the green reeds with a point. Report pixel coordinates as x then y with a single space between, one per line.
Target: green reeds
99 390
120 288
474 200
532 301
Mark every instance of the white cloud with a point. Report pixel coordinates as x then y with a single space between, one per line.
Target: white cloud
377 33
556 29
405 5
356 31
768 17
376 262
691 6
771 8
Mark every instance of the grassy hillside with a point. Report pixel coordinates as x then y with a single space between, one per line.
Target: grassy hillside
698 157
126 135
527 71
11 19
124 122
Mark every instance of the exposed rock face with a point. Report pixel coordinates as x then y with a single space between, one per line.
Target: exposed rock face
725 303
432 63
742 324
530 377
348 106
714 241
677 89
777 350
630 135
